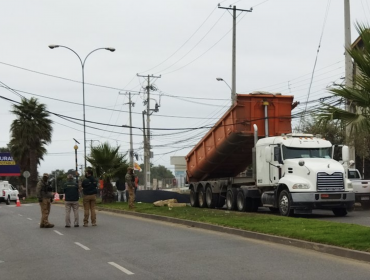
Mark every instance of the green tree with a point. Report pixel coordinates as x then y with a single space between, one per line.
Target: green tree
59 177
358 94
159 172
30 132
108 163
332 130
4 149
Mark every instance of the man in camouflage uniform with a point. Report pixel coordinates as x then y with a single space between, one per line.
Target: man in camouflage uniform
45 196
130 181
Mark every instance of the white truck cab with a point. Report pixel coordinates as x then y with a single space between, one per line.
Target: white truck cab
302 165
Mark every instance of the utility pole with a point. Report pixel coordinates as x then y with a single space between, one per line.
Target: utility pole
131 152
233 78
56 184
147 153
348 73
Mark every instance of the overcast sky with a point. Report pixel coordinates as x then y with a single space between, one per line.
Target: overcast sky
187 42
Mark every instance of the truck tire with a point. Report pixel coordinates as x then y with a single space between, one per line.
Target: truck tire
211 198
285 204
202 198
231 199
193 198
7 201
241 204
340 212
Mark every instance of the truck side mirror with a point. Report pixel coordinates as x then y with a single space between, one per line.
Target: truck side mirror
345 154
268 154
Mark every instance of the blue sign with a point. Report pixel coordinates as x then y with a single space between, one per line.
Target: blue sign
8 166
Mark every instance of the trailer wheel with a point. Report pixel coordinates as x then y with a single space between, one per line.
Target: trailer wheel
340 212
211 198
231 199
241 204
285 204
193 198
202 198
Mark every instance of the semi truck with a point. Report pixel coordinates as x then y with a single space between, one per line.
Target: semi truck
291 173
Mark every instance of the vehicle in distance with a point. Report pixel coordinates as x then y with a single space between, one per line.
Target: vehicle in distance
361 188
8 192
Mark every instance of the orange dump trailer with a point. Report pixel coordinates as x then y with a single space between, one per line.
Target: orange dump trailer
226 150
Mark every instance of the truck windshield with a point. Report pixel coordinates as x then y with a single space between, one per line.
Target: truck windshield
289 152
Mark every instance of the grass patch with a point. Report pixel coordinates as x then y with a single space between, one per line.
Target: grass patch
350 236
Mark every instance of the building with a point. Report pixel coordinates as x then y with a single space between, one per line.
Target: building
180 169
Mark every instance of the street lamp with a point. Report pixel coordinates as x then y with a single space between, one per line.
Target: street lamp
232 95
76 148
83 83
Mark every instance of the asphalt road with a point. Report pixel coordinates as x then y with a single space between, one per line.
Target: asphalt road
125 247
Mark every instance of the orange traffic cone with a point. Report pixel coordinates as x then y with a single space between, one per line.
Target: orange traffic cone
56 197
18 202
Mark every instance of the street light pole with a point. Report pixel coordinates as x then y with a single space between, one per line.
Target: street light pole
83 84
232 95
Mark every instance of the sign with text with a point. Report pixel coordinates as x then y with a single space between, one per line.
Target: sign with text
8 166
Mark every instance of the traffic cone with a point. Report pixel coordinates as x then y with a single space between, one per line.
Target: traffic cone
56 197
18 202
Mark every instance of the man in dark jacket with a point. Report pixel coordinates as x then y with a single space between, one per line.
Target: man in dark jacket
89 189
121 189
71 196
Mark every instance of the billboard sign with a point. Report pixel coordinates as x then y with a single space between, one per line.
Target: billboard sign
8 166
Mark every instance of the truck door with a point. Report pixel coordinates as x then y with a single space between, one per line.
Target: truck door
275 169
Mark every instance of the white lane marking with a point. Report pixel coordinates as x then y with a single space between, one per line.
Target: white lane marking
29 219
58 232
82 246
128 272
20 215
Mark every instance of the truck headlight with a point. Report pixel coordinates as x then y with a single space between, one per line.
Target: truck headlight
350 185
301 186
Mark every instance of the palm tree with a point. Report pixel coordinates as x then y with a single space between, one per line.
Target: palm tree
30 132
108 163
358 94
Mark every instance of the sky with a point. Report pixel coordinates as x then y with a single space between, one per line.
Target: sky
187 43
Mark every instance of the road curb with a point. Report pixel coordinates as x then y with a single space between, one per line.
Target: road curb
318 247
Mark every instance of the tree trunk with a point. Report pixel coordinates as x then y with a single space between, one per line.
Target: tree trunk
33 179
108 194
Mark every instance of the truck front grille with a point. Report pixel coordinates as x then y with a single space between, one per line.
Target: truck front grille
327 182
